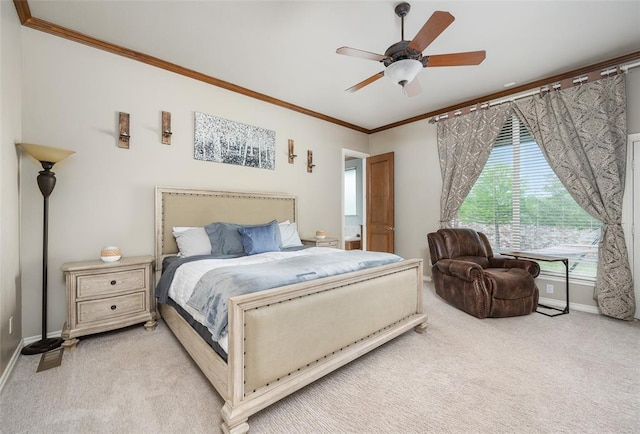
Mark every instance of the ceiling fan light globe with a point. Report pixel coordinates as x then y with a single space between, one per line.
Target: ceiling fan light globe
403 71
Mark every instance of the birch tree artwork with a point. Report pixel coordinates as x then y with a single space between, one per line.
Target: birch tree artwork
225 141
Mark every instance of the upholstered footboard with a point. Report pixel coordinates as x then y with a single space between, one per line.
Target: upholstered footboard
283 339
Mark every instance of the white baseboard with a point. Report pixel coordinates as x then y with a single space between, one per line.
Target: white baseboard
14 358
552 302
32 339
12 363
560 304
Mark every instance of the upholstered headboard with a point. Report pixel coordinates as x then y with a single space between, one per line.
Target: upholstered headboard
191 207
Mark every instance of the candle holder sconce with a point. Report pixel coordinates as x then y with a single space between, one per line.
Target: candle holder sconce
291 154
124 137
310 164
166 128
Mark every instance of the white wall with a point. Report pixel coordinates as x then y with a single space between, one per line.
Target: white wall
10 115
104 195
417 185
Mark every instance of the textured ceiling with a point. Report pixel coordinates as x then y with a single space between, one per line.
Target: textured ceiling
286 50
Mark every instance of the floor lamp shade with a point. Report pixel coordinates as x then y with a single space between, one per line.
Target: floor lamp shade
47 156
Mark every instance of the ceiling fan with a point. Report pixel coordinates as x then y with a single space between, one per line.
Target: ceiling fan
404 60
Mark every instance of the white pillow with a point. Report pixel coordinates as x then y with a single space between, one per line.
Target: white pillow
289 235
182 228
192 241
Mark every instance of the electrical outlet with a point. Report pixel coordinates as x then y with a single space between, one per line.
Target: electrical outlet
10 325
549 288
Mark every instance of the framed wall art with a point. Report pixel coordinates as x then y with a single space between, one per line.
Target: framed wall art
225 141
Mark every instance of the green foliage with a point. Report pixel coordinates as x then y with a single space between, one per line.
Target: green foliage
491 198
490 201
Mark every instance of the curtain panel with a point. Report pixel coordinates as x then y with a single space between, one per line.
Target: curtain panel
583 134
464 145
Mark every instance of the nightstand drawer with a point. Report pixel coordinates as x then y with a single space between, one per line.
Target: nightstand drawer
327 243
110 283
113 307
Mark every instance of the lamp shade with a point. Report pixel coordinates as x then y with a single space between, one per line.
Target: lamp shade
45 153
403 71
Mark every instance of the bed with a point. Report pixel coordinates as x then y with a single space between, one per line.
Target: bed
282 339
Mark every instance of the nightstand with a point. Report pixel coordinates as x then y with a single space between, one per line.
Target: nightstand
327 242
104 296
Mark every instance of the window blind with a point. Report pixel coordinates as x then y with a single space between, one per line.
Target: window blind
520 204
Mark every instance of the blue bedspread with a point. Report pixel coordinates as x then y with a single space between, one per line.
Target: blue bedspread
216 286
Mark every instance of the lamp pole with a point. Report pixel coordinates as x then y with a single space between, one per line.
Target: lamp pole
47 156
46 183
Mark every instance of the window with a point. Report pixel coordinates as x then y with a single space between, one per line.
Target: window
520 204
350 191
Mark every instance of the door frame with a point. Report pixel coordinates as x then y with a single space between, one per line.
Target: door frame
362 156
631 214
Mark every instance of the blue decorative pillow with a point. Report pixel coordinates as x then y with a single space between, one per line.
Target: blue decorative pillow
260 239
225 239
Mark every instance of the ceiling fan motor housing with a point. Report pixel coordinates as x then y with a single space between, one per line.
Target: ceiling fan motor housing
399 51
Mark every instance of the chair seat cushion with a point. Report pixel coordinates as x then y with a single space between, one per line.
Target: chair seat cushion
509 283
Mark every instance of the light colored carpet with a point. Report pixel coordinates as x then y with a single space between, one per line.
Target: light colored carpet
533 374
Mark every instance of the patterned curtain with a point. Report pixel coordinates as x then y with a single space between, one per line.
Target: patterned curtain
464 145
583 134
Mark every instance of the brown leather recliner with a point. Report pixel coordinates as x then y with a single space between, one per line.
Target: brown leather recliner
467 275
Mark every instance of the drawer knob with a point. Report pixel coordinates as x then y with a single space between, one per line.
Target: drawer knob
113 307
113 282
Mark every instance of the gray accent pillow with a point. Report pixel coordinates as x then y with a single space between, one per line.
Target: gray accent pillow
224 238
226 241
260 239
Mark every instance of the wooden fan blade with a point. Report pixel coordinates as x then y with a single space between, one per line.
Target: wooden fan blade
456 59
413 88
360 53
435 25
366 82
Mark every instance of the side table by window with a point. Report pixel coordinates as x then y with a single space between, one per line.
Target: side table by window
545 258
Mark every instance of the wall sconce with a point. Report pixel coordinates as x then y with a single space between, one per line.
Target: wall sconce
123 140
310 164
291 154
166 128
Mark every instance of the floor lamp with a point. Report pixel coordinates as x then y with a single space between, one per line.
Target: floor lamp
47 156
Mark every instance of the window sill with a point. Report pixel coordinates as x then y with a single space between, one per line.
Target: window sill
560 277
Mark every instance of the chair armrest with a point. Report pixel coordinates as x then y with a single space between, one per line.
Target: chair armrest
503 262
464 270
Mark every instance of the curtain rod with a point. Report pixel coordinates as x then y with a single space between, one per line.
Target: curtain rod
589 77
